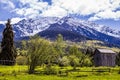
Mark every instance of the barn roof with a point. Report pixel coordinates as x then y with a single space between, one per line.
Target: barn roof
105 51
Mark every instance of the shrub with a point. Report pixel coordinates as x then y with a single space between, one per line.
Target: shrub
64 61
21 60
87 61
74 61
50 70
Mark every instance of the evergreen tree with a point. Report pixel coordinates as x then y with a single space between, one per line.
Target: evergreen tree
8 53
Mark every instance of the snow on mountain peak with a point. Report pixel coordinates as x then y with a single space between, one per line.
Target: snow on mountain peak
29 27
100 28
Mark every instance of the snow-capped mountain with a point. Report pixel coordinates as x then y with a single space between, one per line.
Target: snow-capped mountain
78 27
31 27
100 28
69 27
104 29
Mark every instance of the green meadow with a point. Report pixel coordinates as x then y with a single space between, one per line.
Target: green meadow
81 73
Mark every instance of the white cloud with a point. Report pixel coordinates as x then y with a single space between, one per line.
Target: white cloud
99 9
78 6
108 11
34 9
82 7
7 4
54 11
19 11
94 18
27 12
107 14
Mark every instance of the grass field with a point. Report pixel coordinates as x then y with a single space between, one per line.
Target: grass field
84 73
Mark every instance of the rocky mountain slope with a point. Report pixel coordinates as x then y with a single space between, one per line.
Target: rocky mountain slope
71 28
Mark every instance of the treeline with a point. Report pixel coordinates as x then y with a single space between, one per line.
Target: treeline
41 52
38 52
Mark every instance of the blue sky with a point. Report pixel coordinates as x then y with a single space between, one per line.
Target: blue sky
105 12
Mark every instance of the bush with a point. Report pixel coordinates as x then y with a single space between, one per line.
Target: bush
87 62
21 60
50 70
74 61
64 61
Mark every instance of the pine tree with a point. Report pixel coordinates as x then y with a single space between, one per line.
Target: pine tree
8 52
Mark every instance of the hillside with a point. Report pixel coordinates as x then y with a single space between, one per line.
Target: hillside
73 29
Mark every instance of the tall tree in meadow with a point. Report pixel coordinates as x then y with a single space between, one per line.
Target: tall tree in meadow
8 52
73 56
40 51
60 45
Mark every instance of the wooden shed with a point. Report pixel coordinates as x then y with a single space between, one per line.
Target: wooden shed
104 57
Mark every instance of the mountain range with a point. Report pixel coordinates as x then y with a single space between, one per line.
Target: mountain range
73 29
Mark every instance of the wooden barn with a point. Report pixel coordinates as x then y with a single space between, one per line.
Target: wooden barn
104 57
